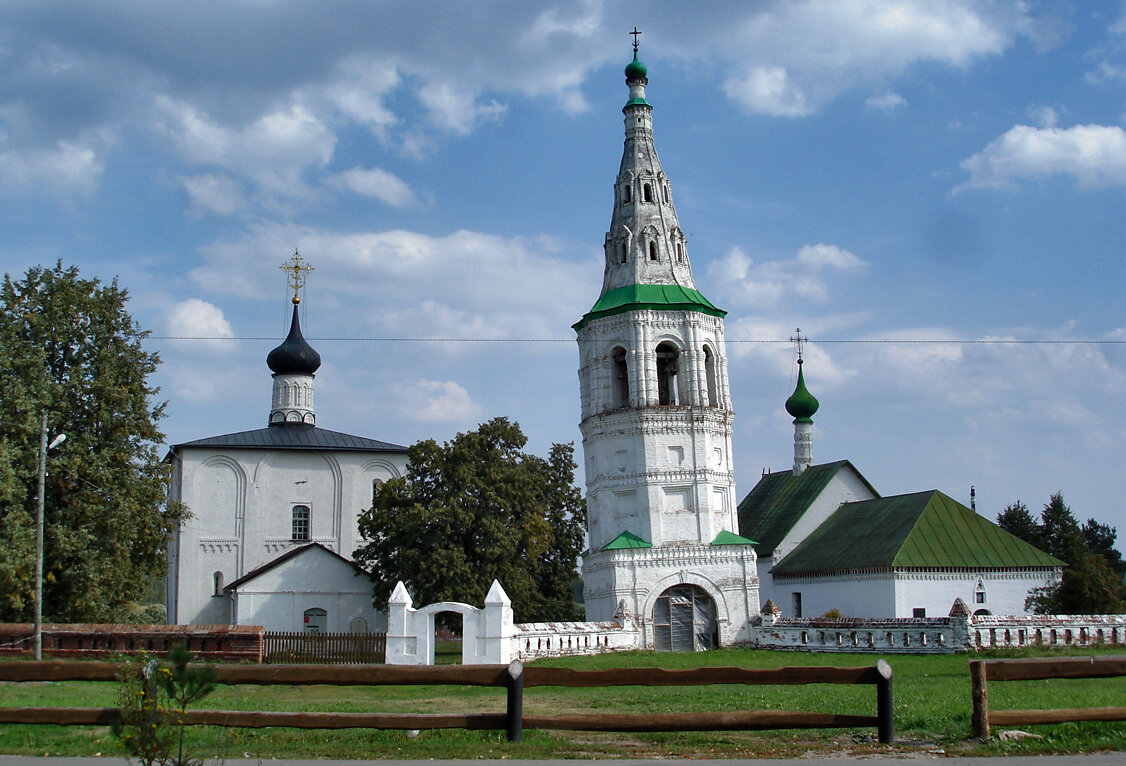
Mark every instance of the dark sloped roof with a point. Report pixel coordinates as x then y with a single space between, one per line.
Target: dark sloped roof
920 530
290 554
294 436
771 509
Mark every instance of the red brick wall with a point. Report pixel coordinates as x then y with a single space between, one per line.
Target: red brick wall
237 643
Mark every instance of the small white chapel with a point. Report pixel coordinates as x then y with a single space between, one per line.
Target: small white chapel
273 511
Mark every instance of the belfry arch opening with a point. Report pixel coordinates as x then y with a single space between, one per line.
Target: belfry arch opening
668 374
684 620
619 383
709 374
648 192
652 251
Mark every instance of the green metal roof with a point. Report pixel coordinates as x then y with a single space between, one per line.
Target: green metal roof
920 530
802 404
642 297
776 503
626 540
730 538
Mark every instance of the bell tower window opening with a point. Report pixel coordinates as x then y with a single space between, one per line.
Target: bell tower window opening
709 374
668 367
627 195
300 523
625 252
647 191
652 251
680 252
666 190
619 385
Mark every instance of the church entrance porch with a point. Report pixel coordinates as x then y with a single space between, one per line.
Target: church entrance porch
684 620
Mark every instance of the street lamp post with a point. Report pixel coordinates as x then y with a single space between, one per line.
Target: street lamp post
43 447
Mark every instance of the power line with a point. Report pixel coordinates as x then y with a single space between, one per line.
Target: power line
905 341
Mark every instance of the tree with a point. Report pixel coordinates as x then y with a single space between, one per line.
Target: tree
71 350
477 509
1092 580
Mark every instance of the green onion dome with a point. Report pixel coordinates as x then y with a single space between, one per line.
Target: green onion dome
802 404
635 70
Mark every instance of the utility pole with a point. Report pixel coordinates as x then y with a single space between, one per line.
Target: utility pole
39 513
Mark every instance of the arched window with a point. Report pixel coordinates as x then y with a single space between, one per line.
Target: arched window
652 251
619 386
375 485
627 194
218 578
316 620
666 192
668 366
709 373
625 252
300 522
648 193
680 252
979 593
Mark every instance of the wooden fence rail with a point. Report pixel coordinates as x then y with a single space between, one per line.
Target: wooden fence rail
513 677
1036 669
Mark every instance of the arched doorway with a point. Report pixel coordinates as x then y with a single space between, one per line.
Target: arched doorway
684 620
448 644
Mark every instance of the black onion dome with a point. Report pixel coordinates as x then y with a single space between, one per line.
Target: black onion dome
294 356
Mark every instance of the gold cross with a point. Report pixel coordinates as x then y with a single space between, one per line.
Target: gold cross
296 269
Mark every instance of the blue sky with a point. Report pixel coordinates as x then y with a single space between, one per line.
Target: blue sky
869 171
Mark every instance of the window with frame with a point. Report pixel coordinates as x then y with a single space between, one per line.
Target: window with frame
300 522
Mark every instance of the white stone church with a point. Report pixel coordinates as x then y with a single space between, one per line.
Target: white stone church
274 513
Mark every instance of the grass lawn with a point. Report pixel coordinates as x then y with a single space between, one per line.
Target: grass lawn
932 713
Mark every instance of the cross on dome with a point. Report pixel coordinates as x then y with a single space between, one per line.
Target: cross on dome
296 268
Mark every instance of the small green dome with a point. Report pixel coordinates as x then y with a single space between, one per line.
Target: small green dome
635 69
802 404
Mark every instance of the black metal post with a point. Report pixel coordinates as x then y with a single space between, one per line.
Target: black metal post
885 704
514 715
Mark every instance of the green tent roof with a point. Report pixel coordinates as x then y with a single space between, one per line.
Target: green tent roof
626 540
730 538
920 530
776 503
642 297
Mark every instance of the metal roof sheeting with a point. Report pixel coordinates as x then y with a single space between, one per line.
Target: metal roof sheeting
294 436
920 530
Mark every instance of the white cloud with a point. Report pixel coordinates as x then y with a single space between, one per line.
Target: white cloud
738 278
434 401
404 283
195 318
792 58
454 110
375 182
66 166
213 193
1105 72
887 101
272 151
1094 155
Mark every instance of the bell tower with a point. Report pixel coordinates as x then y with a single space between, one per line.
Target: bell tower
656 421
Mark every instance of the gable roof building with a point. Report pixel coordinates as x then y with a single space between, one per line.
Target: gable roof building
826 540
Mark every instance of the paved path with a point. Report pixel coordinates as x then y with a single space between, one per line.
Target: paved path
1101 759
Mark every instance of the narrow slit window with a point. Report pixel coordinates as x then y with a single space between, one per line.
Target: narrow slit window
652 251
648 191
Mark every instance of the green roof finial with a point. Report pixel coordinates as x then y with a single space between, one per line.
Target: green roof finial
801 404
635 70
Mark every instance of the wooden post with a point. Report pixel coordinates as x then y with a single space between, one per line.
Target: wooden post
980 696
514 714
885 704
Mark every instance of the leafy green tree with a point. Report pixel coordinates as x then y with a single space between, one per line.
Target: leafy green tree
69 349
1092 581
477 509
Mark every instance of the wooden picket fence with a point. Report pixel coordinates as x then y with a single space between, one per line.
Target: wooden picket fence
1036 669
513 677
325 648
